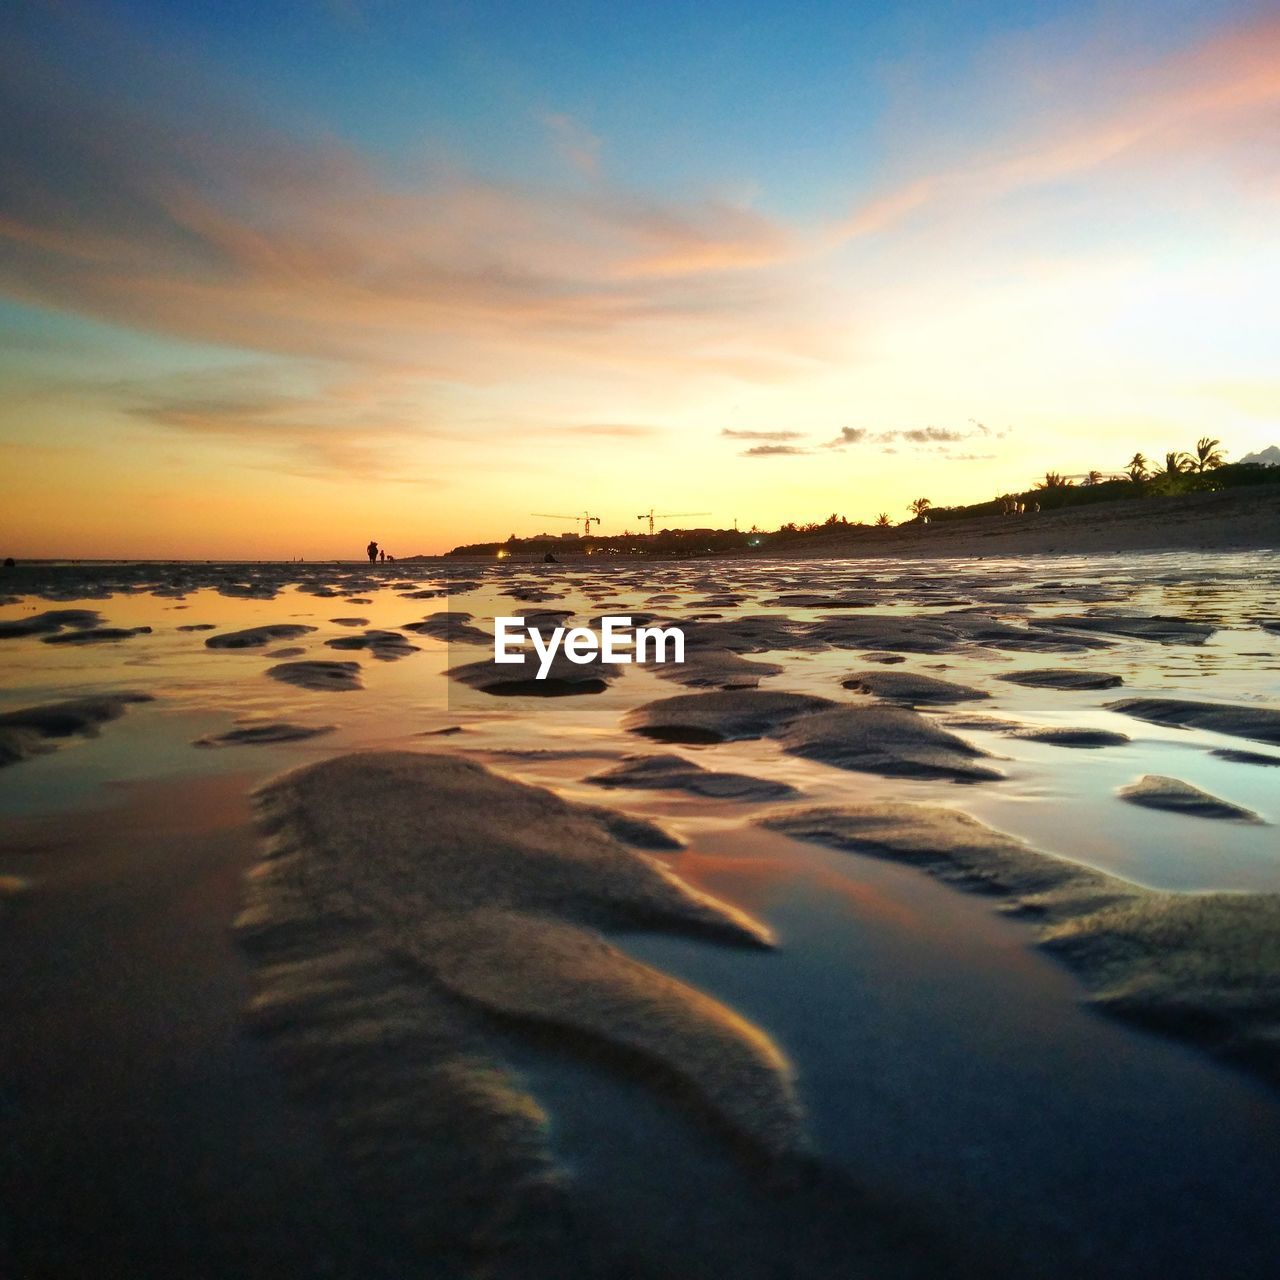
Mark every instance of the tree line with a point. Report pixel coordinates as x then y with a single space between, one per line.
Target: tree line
1208 455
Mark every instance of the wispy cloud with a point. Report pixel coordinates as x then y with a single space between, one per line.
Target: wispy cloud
928 435
344 432
223 230
734 434
228 232
887 439
773 451
1177 105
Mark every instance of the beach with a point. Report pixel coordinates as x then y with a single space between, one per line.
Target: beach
922 921
639 645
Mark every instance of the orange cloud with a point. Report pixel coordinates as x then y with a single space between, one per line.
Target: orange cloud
302 436
240 237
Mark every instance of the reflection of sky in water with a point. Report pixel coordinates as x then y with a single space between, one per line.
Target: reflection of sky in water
942 1052
936 1049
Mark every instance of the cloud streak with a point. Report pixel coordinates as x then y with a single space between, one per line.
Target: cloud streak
296 435
943 436
732 433
1209 94
234 234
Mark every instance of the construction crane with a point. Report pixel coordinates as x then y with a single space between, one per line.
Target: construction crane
666 515
586 517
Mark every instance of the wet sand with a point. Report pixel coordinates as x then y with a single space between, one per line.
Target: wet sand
967 1113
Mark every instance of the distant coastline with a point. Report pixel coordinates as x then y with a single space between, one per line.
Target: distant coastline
1234 520
1071 521
1246 518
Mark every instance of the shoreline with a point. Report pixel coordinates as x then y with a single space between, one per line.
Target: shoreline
1229 520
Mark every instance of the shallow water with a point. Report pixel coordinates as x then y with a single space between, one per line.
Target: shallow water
943 1060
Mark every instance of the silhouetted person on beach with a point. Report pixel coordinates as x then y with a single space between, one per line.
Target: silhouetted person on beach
382 555
549 559
372 549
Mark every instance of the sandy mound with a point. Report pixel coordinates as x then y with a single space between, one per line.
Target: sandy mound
33 730
976 720
754 633
1067 736
407 902
1245 757
452 626
884 631
722 716
1157 792
993 633
49 623
1199 966
1259 723
1062 678
255 637
96 635
892 741
811 600
545 971
563 679
911 689
675 773
543 619
716 669
1164 630
263 734
386 646
333 677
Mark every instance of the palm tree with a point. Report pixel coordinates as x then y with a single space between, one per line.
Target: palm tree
918 506
882 520
1137 468
1176 464
1208 455
1094 477
1053 480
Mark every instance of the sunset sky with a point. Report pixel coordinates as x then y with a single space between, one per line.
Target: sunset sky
278 278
